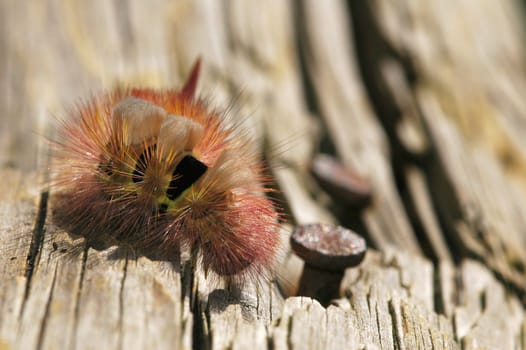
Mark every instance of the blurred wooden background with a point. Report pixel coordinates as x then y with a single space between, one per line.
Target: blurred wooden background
423 98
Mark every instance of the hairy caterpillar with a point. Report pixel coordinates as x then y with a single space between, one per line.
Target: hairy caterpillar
159 170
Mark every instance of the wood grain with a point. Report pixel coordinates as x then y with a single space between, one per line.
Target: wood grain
421 98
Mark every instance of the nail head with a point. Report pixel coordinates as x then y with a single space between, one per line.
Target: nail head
341 182
328 247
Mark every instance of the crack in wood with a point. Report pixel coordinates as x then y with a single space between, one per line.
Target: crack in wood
290 343
378 325
201 335
77 296
121 306
47 310
36 244
397 338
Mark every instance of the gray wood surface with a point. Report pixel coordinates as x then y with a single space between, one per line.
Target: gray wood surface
423 98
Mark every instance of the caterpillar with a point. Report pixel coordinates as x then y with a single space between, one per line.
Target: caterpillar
159 170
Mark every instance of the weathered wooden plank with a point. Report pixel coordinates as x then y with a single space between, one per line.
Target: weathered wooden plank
468 203
20 232
498 322
384 287
48 317
388 304
271 64
19 210
153 306
333 70
101 322
11 301
455 108
421 197
413 121
230 321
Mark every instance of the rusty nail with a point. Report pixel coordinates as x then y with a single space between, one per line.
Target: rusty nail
327 251
340 182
